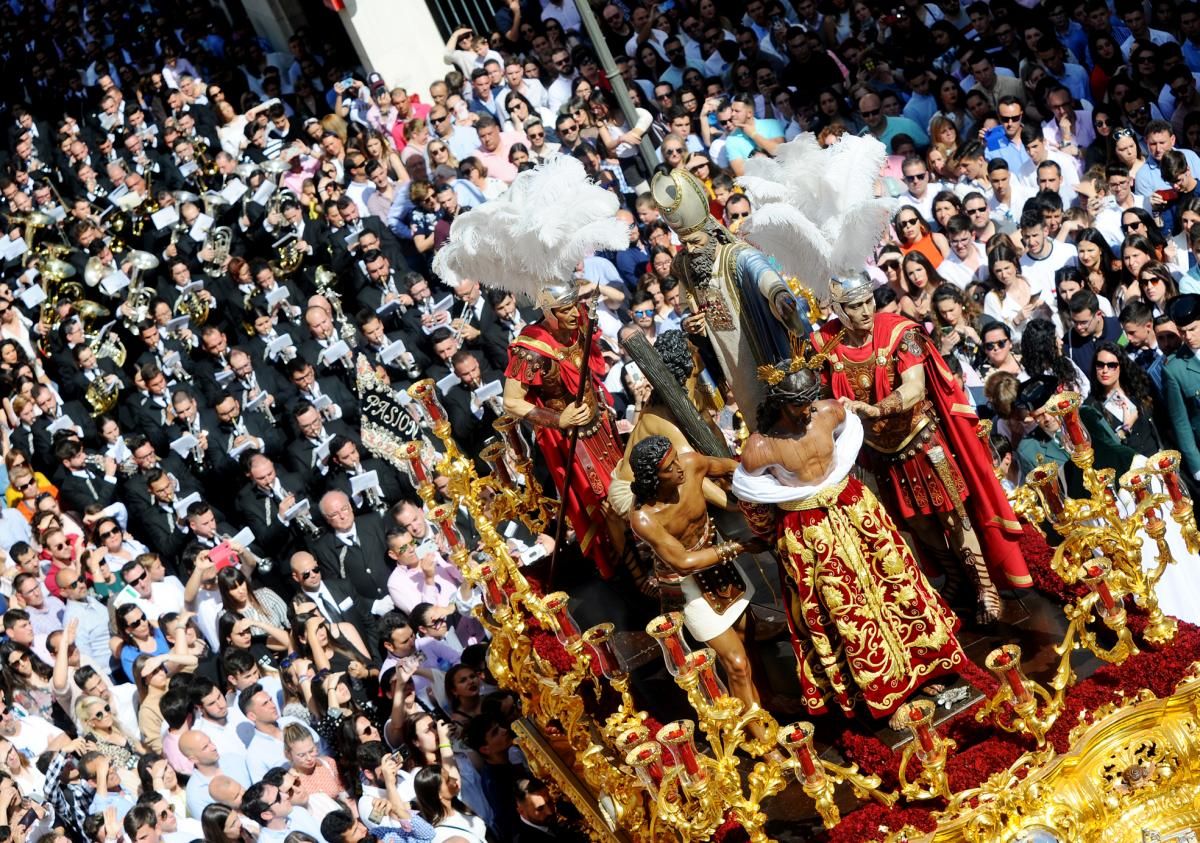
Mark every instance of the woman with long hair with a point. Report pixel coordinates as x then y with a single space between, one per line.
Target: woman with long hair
440 154
156 775
1107 59
1104 122
1011 299
222 824
944 135
1126 151
1041 354
1136 252
119 547
98 723
953 329
588 129
26 680
1124 395
1097 264
951 105
437 789
1067 282
377 148
261 641
335 648
1157 286
462 690
619 138
261 604
832 108
153 674
914 234
946 205
920 281
22 770
135 636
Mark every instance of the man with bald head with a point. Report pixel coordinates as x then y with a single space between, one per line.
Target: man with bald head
334 599
354 551
199 748
226 790
883 128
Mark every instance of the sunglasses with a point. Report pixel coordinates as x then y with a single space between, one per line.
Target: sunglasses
644 313
108 534
1107 364
1127 226
73 584
995 345
982 210
100 711
137 622
740 216
566 129
872 113
166 812
1012 118
135 580
916 177
58 546
311 572
906 223
20 658
30 482
538 136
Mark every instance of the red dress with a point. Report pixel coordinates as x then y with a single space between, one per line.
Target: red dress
551 373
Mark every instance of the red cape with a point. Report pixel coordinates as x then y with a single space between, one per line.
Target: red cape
991 515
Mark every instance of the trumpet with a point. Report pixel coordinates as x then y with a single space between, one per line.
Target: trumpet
95 462
198 448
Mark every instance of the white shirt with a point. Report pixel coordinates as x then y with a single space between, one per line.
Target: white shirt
1039 272
229 745
958 273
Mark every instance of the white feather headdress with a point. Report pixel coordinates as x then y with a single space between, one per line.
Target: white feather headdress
816 210
536 233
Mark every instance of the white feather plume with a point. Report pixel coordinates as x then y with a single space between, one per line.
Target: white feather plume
815 210
536 233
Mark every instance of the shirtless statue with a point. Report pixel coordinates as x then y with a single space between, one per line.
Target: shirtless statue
844 566
671 516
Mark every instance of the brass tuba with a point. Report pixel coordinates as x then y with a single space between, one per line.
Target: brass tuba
218 240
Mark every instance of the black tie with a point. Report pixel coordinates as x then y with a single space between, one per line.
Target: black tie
330 608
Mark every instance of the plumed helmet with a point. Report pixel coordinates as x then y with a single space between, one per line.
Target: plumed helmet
851 289
682 200
557 294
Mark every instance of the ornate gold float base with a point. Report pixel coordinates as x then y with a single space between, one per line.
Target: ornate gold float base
1134 772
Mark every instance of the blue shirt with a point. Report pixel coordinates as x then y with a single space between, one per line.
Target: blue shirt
129 653
1075 79
739 145
898 126
1149 176
920 109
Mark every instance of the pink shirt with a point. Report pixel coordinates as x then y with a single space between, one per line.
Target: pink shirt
177 760
497 162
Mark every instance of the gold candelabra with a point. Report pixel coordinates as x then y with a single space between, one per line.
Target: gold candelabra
650 786
1102 548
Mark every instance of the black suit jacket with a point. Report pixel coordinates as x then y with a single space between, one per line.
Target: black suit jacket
364 567
77 493
394 484
470 432
259 511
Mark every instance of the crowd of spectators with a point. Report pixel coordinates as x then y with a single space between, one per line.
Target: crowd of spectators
224 618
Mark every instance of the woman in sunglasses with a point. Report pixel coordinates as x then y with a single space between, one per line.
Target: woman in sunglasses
1137 251
27 680
98 723
1124 395
135 636
915 235
119 547
24 485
